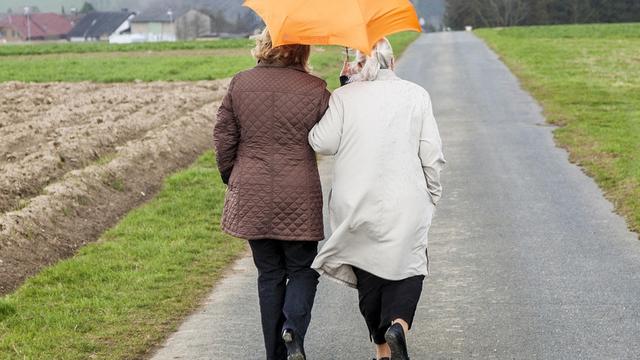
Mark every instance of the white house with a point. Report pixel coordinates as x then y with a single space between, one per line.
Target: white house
158 26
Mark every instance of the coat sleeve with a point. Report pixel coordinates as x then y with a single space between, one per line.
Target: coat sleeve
324 104
226 136
325 137
430 152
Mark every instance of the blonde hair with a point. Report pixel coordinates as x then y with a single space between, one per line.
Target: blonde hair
287 55
381 58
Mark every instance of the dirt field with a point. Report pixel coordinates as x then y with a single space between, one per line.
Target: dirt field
76 157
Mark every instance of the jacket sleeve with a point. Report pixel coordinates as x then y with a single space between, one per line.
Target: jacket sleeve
226 136
324 104
430 152
325 137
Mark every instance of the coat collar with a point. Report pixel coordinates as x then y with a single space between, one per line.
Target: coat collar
386 74
281 66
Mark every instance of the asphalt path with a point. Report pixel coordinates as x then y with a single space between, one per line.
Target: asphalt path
528 260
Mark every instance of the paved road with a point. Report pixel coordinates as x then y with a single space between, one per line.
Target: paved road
528 260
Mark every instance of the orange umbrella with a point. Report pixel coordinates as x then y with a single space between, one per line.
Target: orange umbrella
358 24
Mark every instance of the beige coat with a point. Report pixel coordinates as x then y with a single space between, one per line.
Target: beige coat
386 181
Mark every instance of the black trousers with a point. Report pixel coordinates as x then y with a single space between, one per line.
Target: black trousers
383 301
287 289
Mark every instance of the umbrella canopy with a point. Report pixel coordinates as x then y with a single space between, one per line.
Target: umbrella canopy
358 24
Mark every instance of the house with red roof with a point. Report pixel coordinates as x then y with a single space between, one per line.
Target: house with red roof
36 26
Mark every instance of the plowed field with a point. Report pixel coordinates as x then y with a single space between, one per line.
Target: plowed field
75 157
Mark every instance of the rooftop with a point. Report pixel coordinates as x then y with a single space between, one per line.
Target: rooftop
38 24
96 24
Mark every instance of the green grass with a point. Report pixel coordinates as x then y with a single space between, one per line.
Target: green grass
118 297
122 69
96 47
401 41
587 77
95 66
590 31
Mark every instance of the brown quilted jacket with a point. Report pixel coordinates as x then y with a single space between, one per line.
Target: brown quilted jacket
264 156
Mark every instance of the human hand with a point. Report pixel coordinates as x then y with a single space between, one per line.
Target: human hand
346 69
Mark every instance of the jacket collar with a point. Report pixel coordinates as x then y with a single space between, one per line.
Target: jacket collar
386 74
281 66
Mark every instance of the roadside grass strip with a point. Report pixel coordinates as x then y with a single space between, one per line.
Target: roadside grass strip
119 297
587 78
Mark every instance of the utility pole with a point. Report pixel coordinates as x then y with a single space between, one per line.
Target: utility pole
27 11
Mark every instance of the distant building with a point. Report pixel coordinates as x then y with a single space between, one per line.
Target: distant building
36 26
172 25
163 24
204 23
154 26
101 26
195 23
166 25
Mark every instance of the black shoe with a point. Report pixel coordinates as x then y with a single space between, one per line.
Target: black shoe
295 350
397 342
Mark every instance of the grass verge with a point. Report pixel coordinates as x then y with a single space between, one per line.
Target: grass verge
118 297
587 78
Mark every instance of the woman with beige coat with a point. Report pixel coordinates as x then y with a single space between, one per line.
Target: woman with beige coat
386 184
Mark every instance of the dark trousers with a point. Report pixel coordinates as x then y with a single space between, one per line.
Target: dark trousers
383 301
287 289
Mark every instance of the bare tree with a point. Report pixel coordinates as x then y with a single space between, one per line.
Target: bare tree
581 11
504 12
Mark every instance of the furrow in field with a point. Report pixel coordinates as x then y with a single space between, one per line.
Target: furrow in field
76 209
24 126
22 102
79 145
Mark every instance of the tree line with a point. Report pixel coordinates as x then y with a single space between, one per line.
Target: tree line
492 13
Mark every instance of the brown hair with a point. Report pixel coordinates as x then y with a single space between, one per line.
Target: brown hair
287 55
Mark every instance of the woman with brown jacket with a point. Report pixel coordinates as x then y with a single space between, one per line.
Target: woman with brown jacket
274 197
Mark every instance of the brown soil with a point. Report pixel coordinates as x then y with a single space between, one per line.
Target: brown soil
74 158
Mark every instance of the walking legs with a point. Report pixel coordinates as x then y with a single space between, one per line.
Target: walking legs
286 288
384 303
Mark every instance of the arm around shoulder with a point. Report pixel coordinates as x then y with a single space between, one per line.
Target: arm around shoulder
325 136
